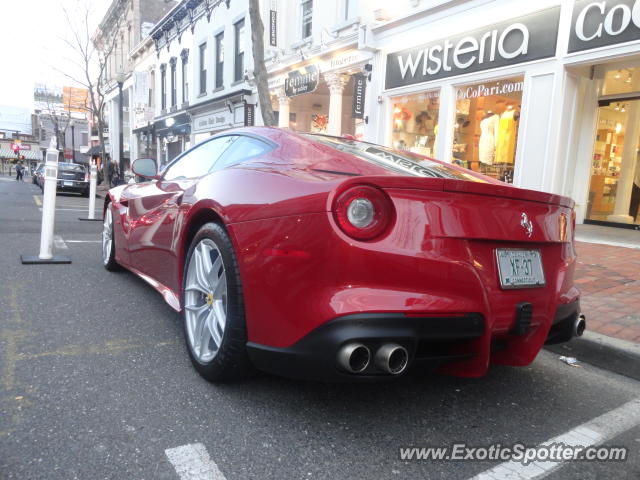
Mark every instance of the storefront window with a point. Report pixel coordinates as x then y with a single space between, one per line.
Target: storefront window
486 127
614 190
415 122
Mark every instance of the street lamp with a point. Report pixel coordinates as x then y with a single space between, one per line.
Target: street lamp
72 124
120 78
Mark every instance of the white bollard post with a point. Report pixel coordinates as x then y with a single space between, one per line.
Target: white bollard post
93 176
49 202
93 181
48 211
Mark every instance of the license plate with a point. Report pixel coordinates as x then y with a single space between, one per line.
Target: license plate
68 184
520 268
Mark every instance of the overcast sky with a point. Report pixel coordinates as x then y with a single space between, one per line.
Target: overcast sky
30 38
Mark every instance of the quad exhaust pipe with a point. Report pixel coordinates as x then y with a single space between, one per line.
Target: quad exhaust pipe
354 357
579 325
392 358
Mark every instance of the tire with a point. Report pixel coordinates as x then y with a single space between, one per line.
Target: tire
213 307
85 193
108 242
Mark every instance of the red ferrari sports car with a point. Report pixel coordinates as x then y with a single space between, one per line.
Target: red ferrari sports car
327 258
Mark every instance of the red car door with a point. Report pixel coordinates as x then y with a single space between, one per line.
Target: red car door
158 211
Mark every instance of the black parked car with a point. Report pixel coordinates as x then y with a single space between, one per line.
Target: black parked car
73 178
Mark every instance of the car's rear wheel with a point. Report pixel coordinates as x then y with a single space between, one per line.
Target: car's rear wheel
213 307
108 244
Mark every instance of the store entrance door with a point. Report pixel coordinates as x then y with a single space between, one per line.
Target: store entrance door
614 189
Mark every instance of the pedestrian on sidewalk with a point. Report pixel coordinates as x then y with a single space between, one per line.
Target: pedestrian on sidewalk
19 171
114 171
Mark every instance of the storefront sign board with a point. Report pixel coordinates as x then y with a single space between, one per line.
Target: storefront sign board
212 121
601 23
359 90
514 41
304 80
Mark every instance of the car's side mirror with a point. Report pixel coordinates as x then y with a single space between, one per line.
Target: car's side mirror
145 167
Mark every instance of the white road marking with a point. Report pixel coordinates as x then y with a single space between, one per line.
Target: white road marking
59 242
71 209
38 200
589 434
83 241
192 462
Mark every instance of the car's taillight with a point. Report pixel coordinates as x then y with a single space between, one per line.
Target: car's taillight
363 212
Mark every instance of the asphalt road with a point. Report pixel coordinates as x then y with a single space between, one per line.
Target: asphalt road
95 383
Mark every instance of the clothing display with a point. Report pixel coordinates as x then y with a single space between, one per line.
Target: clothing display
414 123
489 129
506 142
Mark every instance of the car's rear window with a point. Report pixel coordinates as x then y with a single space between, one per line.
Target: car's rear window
401 163
71 166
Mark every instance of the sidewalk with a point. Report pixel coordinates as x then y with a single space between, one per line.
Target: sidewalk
609 279
608 275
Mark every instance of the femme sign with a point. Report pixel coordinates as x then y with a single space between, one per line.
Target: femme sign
304 80
597 24
518 40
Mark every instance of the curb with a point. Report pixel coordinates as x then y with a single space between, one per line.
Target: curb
613 354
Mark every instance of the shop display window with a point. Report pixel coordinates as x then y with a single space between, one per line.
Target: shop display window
415 122
614 188
486 127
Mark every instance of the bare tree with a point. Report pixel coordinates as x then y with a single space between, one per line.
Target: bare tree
91 60
259 67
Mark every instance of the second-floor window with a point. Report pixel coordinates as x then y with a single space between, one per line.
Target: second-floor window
163 86
307 17
239 51
185 78
152 86
349 9
174 95
203 69
219 60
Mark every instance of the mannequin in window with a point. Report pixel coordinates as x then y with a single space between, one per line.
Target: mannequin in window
507 131
424 123
489 127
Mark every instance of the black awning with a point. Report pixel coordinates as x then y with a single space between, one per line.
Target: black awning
146 129
181 125
93 151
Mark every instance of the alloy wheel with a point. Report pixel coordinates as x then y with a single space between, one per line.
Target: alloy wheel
205 301
107 235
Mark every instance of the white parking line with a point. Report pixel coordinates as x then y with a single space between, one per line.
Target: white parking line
83 241
59 242
589 434
71 209
192 462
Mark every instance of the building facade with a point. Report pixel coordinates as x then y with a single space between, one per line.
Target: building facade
202 76
121 37
543 95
